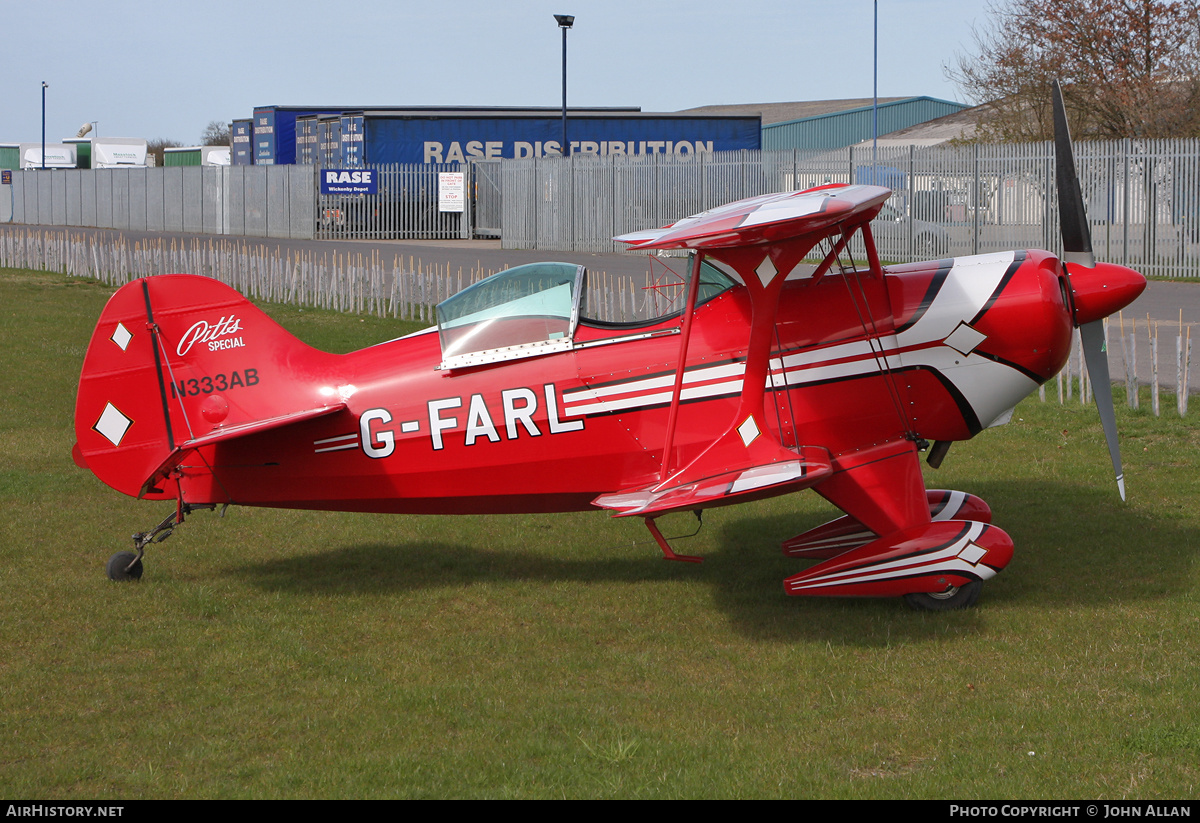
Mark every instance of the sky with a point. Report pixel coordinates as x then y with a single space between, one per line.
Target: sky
165 70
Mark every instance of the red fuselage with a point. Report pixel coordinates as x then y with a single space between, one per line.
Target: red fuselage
951 346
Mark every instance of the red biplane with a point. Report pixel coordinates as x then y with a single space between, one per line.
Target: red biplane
774 376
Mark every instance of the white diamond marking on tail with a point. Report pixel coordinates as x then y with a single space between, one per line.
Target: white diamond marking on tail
112 424
121 336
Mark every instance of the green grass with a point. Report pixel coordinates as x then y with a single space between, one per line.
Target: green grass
293 654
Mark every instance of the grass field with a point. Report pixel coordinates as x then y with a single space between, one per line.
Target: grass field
291 654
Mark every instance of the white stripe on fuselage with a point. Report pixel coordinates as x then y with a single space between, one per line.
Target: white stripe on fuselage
991 388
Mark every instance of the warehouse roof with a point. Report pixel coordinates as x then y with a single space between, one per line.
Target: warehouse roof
783 112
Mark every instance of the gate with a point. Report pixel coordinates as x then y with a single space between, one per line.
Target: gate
405 208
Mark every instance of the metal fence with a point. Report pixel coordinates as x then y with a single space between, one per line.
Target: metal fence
243 201
254 201
372 282
1143 197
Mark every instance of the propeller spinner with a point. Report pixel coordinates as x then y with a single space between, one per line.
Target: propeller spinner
1097 289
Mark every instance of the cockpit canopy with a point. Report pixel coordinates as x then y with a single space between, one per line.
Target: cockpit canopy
535 309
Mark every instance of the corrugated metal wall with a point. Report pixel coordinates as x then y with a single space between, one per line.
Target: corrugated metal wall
845 128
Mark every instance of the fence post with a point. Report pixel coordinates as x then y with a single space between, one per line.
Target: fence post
975 206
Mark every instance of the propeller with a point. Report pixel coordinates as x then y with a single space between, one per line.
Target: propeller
1098 289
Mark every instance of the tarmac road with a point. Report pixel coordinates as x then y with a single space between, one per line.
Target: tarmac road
1162 302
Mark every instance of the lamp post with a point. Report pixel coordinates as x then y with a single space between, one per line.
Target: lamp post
565 21
45 86
875 105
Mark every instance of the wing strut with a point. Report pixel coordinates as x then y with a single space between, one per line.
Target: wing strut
689 309
874 339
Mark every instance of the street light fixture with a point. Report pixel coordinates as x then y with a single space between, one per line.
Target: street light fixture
565 21
45 86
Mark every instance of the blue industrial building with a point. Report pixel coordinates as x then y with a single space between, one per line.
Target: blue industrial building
349 137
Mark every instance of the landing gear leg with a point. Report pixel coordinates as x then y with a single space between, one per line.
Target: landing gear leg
124 566
668 554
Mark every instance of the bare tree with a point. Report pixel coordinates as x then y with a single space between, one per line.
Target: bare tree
155 147
215 133
1129 68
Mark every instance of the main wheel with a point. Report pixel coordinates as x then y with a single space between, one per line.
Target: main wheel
119 567
955 597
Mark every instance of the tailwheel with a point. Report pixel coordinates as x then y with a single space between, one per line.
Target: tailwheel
124 566
955 597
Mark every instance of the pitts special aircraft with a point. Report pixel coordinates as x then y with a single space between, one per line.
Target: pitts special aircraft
775 376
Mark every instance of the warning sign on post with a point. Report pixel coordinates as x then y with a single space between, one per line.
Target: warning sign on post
451 192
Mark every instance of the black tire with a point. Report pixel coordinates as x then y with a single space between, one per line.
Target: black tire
118 567
955 597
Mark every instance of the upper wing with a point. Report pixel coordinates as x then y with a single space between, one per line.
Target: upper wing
768 218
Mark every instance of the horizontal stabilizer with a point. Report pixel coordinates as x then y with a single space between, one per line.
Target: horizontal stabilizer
739 485
234 432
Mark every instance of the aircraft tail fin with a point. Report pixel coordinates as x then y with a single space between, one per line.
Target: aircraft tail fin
177 362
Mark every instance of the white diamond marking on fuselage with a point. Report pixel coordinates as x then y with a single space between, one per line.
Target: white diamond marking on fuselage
112 424
121 336
964 338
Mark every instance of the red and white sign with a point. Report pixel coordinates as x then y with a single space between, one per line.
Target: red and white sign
451 191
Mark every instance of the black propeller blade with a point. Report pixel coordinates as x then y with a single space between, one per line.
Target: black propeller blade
1072 219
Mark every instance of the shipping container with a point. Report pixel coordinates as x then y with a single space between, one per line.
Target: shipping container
10 156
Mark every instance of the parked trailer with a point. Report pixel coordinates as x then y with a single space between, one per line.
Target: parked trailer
58 156
241 138
118 152
196 156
